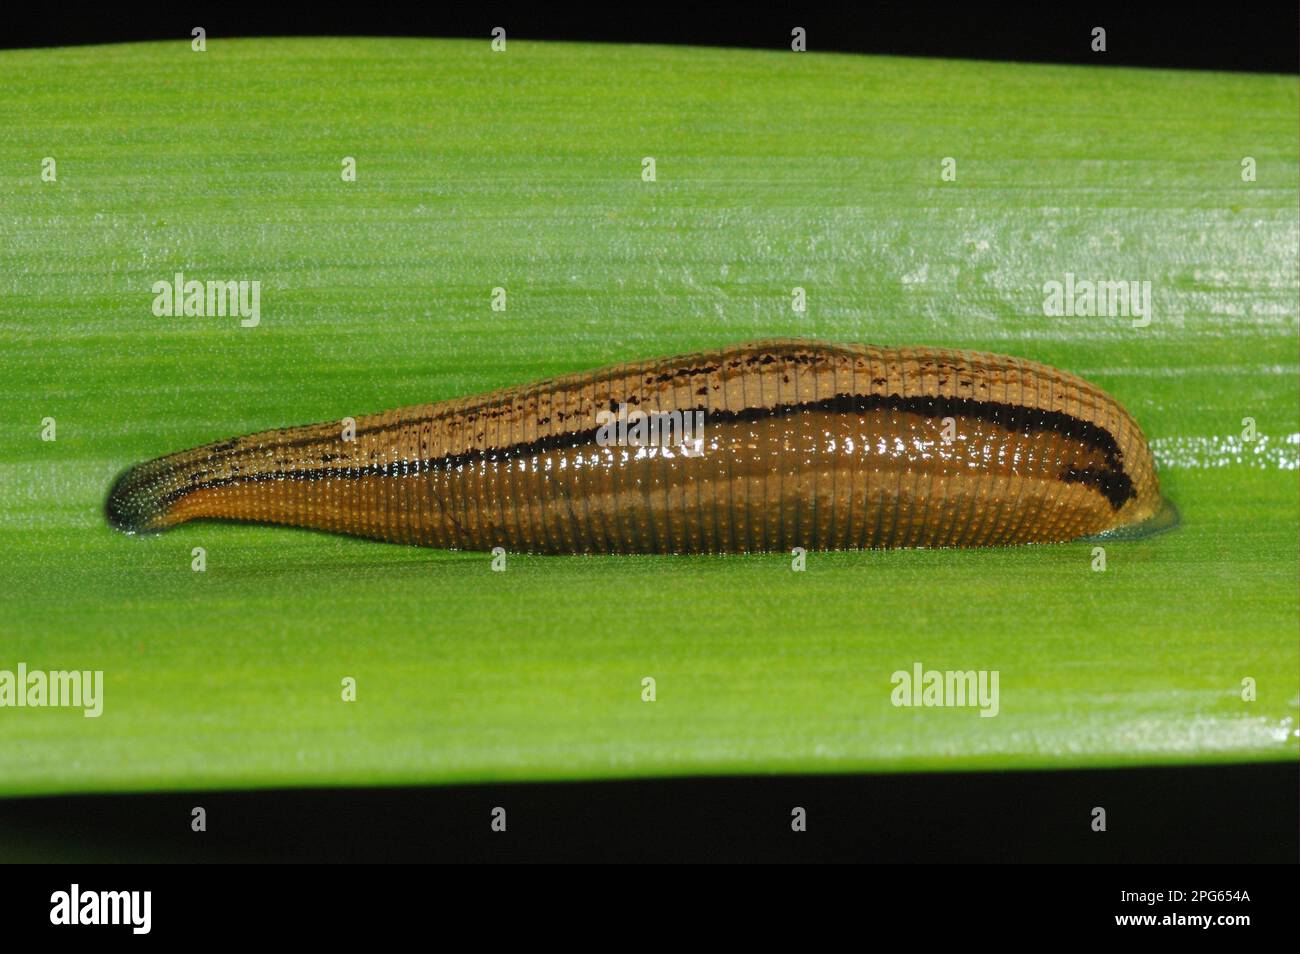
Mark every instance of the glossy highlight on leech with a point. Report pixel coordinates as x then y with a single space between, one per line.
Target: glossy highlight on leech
803 443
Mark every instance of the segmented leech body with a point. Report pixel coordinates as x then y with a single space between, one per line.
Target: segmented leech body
808 444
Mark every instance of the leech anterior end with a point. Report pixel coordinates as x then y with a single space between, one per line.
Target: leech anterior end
772 445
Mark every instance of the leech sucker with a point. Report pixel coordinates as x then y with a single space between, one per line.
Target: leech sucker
763 446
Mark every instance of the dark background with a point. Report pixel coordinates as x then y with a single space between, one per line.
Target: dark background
1177 814
1224 814
1259 38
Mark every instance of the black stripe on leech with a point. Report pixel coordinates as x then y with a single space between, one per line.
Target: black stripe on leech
1111 482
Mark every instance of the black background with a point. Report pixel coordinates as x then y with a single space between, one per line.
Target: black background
1243 813
1260 38
1175 814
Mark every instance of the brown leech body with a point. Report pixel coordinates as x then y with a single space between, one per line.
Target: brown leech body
804 444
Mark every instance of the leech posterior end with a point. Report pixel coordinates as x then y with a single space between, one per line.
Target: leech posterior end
1165 518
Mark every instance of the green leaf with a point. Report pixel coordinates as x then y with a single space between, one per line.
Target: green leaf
522 170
